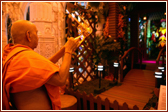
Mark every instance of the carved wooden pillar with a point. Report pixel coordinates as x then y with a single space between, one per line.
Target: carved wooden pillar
113 21
41 16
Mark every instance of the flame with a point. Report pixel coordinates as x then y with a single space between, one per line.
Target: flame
79 19
84 28
67 11
76 13
73 15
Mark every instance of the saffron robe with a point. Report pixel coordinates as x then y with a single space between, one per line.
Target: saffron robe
24 70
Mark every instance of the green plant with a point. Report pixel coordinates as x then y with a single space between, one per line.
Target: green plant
99 12
106 50
122 26
94 4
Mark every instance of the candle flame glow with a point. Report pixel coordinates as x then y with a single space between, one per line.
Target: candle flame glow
73 15
67 11
79 19
76 13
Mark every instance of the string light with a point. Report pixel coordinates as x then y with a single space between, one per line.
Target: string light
144 18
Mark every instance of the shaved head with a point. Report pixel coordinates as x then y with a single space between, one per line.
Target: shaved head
22 32
19 28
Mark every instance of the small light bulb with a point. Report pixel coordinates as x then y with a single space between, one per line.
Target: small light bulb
144 18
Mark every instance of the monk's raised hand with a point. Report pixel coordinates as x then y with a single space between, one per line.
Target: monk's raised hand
72 44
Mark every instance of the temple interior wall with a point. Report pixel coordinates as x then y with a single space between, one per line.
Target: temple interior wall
49 18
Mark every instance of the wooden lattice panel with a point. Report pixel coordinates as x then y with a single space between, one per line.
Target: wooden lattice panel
84 68
83 62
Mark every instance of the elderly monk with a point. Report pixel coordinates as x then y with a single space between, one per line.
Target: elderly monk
30 81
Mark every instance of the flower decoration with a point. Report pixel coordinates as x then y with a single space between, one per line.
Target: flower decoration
106 29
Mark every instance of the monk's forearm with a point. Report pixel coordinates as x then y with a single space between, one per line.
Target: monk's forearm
57 55
64 69
59 78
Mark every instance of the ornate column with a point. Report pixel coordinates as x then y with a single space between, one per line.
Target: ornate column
41 16
58 25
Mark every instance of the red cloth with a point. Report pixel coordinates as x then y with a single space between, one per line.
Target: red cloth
153 38
27 70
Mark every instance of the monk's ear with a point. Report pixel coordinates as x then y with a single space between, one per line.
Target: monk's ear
28 36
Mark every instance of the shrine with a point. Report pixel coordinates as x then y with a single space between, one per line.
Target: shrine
120 61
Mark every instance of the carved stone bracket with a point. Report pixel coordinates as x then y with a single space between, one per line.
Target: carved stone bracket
14 10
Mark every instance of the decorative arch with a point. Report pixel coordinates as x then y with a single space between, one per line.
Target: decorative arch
24 8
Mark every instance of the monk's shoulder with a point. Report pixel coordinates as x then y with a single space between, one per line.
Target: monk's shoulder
30 55
32 59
